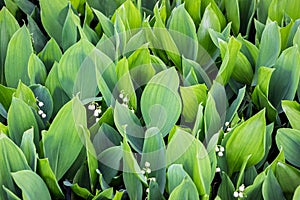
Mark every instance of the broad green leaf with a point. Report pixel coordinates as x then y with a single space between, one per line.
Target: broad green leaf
186 190
194 9
105 194
288 178
209 20
125 83
79 191
289 140
264 77
24 93
249 50
28 148
46 173
129 125
140 67
254 191
107 46
59 96
183 32
90 34
182 150
297 193
248 8
8 26
70 64
12 159
154 192
19 46
175 176
216 9
129 14
36 70
31 184
284 33
10 194
132 175
62 144
192 96
135 42
154 153
120 35
269 46
243 71
278 9
21 118
50 53
292 111
160 101
53 17
6 95
229 58
262 10
69 30
271 188
248 139
233 14
285 78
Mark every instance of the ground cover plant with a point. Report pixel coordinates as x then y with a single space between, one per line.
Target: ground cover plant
146 99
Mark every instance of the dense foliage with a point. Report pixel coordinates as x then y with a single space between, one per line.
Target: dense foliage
147 99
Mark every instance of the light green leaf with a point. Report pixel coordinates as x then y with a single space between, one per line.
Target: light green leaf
28 148
229 58
50 53
248 139
226 187
233 108
186 190
183 32
21 118
297 193
285 78
289 140
6 95
194 9
8 26
70 64
10 194
269 46
106 24
36 70
233 14
31 184
243 71
53 17
19 46
62 144
38 38
292 111
12 159
160 101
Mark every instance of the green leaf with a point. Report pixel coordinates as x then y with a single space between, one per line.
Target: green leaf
38 38
183 32
79 191
50 53
20 46
243 71
226 188
233 14
70 64
292 111
69 31
229 59
6 95
11 160
209 20
233 108
262 10
176 175
132 175
128 124
36 70
271 188
62 144
21 118
192 96
194 9
154 152
59 96
53 17
10 194
28 148
186 190
154 192
248 139
106 24
269 46
8 26
46 173
285 78
182 150
160 101
288 178
289 140
31 184
297 193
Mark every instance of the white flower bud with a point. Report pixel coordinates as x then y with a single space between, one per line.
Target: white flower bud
217 149
220 154
147 164
41 104
222 149
147 190
236 194
91 107
242 188
148 170
44 115
241 195
218 169
226 123
40 112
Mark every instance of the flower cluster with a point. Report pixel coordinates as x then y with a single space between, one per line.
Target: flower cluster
96 108
220 150
125 100
239 193
40 111
146 169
